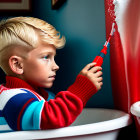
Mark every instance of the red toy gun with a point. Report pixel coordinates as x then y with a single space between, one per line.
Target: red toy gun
99 59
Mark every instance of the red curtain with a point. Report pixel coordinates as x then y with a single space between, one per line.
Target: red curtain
125 55
118 79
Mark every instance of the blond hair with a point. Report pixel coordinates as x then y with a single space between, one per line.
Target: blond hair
24 31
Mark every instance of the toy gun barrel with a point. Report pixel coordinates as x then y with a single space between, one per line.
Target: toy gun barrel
99 59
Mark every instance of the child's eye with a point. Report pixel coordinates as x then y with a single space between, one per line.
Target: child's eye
46 57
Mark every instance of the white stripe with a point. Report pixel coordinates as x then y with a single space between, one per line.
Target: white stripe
4 127
7 94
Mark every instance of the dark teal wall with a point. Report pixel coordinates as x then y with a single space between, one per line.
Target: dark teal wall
82 22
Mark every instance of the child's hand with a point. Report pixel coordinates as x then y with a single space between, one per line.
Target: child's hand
93 74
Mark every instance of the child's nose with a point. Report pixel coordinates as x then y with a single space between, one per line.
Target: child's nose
55 67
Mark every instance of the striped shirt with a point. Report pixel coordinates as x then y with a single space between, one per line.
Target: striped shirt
22 108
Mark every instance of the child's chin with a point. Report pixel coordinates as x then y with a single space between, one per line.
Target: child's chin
48 85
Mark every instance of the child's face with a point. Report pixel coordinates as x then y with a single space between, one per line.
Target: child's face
40 67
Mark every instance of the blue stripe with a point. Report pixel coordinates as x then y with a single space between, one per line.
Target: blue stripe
102 55
14 106
50 95
108 45
5 131
37 115
1 114
2 121
31 117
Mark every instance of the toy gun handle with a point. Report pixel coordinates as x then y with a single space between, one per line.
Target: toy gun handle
99 59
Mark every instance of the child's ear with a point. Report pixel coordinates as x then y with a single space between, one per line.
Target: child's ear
16 64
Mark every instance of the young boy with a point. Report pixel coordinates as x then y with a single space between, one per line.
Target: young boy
27 50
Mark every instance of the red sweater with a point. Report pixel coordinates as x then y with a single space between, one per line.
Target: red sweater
24 109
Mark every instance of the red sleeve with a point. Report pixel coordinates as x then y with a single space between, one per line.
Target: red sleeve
83 88
61 111
67 105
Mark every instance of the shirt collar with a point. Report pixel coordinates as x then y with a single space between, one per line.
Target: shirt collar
14 82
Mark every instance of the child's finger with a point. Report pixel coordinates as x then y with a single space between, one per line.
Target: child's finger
95 69
99 73
89 66
100 79
101 83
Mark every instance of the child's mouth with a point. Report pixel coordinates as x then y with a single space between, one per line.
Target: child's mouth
52 77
